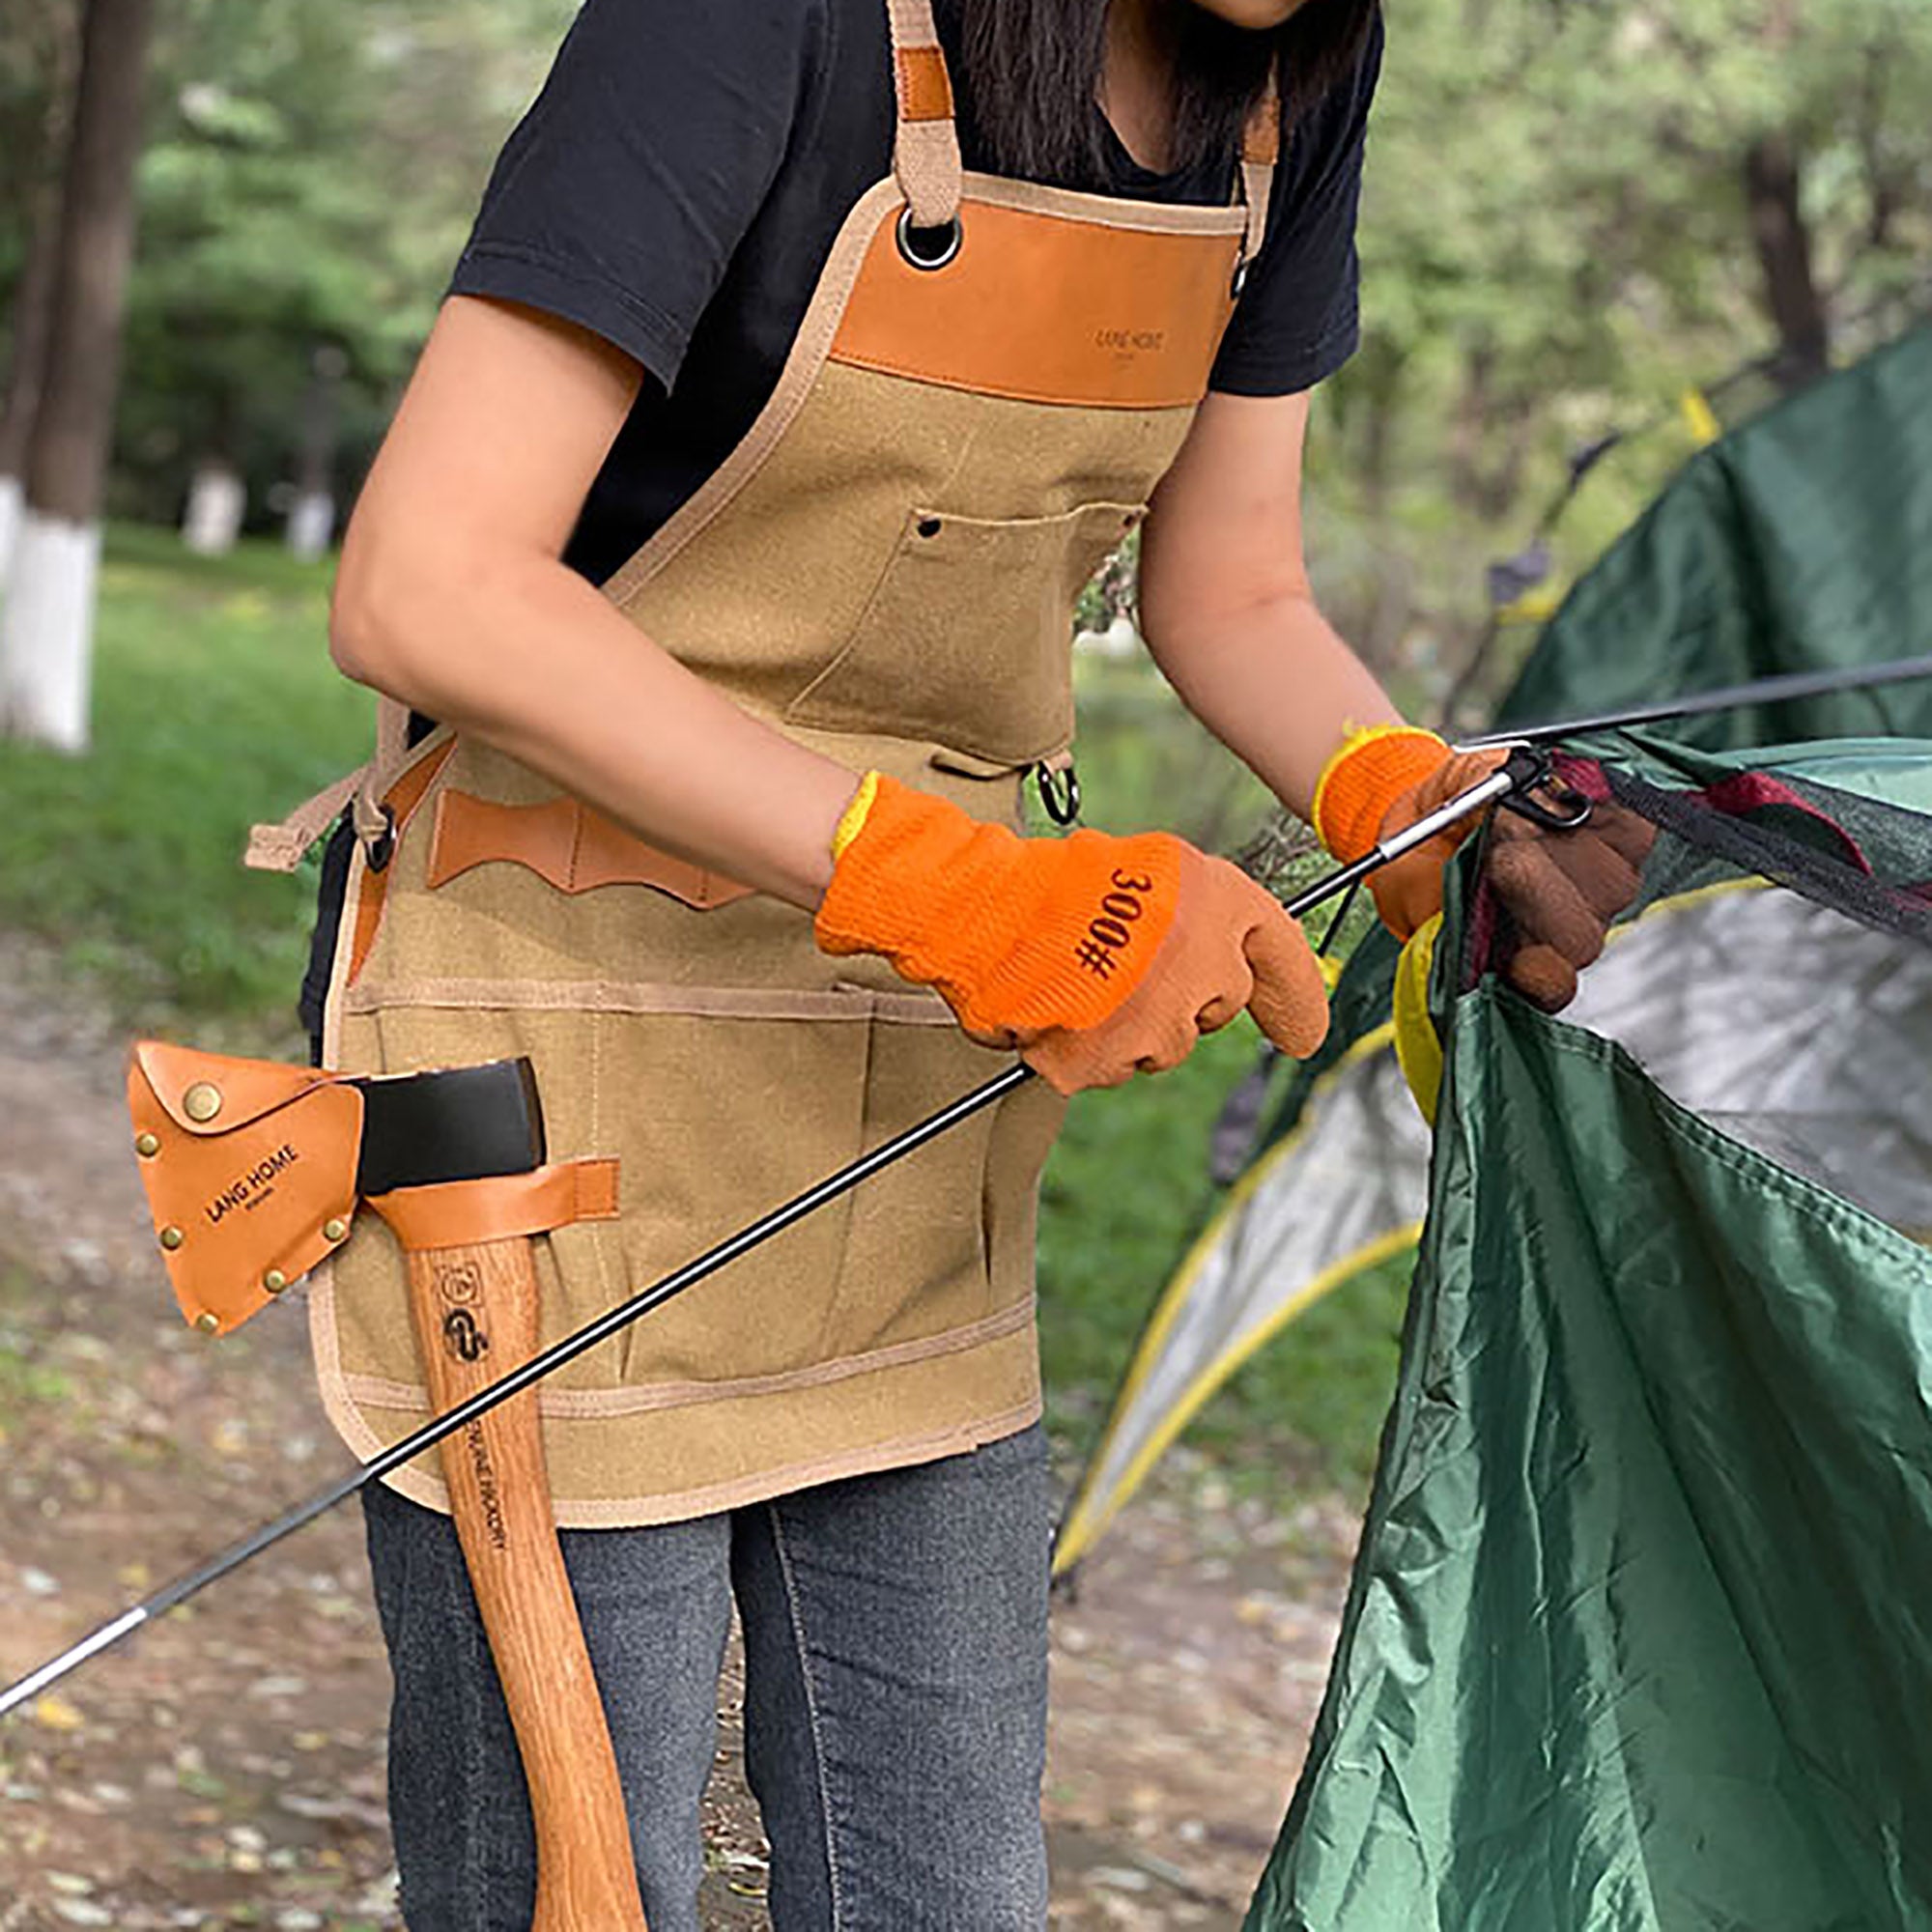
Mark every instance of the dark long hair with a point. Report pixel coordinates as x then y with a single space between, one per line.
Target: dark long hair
1033 73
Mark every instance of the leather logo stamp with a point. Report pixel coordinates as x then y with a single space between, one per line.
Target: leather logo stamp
252 1188
1131 341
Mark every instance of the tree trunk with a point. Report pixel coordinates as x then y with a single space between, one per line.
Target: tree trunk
1773 179
33 317
26 370
46 633
311 524
218 500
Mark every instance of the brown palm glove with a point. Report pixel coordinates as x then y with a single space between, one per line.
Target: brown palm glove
1561 892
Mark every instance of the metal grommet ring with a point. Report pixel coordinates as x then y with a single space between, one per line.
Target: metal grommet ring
1059 793
382 847
954 234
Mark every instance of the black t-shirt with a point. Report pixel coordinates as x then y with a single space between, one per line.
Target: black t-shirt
678 185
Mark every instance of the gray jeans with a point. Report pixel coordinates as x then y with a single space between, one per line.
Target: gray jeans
894 1701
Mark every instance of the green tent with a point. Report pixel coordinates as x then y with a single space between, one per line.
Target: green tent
1800 541
1641 1625
1639 1634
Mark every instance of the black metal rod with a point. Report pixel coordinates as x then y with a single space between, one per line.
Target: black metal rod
1497 786
1733 698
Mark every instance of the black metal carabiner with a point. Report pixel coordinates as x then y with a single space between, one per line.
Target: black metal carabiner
381 849
1534 770
1059 800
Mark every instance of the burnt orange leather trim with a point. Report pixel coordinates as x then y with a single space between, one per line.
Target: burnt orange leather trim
468 1213
234 1204
241 1090
926 88
567 846
402 798
1046 309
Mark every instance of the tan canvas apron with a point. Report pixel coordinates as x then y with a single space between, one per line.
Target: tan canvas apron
989 381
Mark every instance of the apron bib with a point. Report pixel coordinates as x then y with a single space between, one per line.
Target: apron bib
989 381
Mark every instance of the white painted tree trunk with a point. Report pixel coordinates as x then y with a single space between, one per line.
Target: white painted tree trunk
46 632
217 500
312 525
12 497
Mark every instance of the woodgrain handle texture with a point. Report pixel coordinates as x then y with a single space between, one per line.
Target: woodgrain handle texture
475 1314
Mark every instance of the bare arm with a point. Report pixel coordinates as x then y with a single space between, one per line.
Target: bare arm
1226 603
451 597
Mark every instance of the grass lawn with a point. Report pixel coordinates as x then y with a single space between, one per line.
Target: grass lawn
216 705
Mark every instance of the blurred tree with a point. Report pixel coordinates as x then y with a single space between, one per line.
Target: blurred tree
37 48
46 627
309 184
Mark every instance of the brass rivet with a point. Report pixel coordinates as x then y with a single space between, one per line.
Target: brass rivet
148 1146
274 1281
202 1101
171 1238
334 1231
209 1324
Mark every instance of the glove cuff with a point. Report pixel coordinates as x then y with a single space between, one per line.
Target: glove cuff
852 820
1360 782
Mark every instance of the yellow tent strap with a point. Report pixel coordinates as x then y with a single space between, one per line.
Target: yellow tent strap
1418 1048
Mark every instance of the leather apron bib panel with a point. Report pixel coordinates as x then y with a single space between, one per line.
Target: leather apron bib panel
884 570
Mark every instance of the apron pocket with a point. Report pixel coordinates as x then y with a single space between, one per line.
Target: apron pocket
942 1244
967 640
715 1114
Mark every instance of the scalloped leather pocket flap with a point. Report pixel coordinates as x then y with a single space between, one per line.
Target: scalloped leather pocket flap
567 846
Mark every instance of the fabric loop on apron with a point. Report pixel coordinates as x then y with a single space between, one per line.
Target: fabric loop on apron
926 150
884 569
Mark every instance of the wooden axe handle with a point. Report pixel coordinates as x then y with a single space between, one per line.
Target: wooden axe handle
475 1314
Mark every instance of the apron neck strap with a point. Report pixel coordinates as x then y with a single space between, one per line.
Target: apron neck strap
925 156
1260 150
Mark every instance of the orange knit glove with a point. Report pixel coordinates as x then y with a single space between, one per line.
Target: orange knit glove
1099 957
1379 783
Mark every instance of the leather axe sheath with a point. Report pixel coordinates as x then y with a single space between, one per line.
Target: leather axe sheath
254 1171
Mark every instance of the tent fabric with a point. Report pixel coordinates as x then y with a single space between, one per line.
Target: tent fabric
1801 540
1646 1579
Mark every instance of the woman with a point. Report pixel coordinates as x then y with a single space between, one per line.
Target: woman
731 527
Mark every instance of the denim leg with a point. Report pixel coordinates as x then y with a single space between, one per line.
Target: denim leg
895 1693
654 1605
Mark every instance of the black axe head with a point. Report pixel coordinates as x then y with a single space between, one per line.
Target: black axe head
456 1124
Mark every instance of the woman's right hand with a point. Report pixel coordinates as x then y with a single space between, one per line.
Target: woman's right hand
1097 957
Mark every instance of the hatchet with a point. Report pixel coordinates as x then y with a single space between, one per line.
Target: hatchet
254 1171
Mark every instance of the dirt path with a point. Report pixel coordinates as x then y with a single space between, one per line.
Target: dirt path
226 1768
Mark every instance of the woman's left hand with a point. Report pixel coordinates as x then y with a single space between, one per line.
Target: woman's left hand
1560 891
